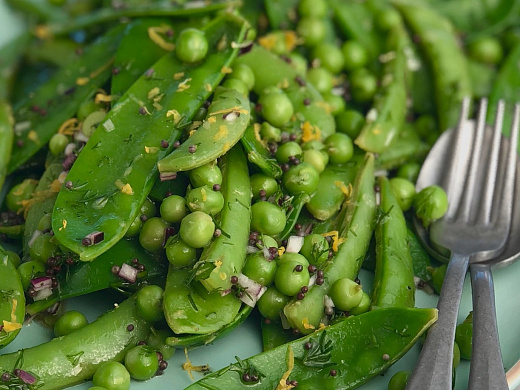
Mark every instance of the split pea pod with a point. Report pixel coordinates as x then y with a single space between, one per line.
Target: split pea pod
118 167
356 225
297 203
226 254
41 114
6 138
394 278
74 358
257 154
227 119
12 300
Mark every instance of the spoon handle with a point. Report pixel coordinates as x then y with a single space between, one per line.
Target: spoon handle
487 370
434 368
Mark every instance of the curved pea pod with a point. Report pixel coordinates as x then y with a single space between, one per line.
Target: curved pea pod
421 259
350 243
271 71
174 187
358 349
14 231
394 284
257 154
225 255
12 301
190 308
438 40
194 340
273 335
227 119
6 138
39 116
118 167
83 278
74 358
297 203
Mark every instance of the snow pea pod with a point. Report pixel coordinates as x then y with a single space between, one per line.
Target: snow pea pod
356 225
342 356
10 55
43 10
421 259
441 49
257 154
227 119
118 167
6 138
393 282
12 300
72 359
273 335
41 114
297 203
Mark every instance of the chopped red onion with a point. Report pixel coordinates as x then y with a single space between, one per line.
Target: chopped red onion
128 273
168 176
253 290
69 149
33 237
285 321
43 294
54 308
327 302
223 293
294 244
96 237
41 283
312 281
81 137
26 377
251 249
267 255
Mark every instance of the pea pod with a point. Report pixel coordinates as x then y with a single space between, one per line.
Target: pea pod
421 259
12 300
43 10
257 154
356 225
394 285
225 255
11 55
281 14
72 359
58 52
273 335
6 138
227 119
110 182
357 349
297 203
438 40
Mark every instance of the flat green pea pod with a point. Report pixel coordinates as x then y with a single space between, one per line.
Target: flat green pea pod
421 258
12 300
297 203
189 308
394 284
39 116
6 138
370 342
257 154
72 359
227 119
14 231
274 335
11 54
110 182
225 255
438 40
350 242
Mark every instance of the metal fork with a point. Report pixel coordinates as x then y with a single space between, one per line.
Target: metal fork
476 226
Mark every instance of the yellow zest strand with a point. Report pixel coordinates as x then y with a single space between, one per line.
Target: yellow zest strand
154 35
283 385
190 367
69 127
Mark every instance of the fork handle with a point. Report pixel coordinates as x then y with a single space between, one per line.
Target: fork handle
434 367
487 370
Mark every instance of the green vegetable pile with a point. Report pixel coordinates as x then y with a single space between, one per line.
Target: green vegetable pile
213 161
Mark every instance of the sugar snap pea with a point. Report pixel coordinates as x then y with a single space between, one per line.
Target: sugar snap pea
421 259
342 356
274 335
393 283
43 10
41 114
257 154
227 119
12 300
297 203
72 359
6 138
107 191
11 54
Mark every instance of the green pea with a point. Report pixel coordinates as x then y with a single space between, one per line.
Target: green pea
387 19
271 303
20 192
315 248
409 171
277 109
315 8
29 270
14 258
149 303
350 122
96 388
329 56
511 38
464 337
237 85
267 218
191 45
197 229
312 29
430 204
290 277
399 380
346 294
201 114
58 143
148 208
291 257
316 158
268 241
363 306
135 227
313 145
157 340
43 247
92 121
262 182
355 55
180 254
112 376
298 62
339 147
363 85
286 150
206 175
173 209
245 74
487 50
69 322
456 355
404 192
438 274
270 133
141 362
206 200
259 269
336 103
301 178
45 222
87 107
321 79
152 234
425 125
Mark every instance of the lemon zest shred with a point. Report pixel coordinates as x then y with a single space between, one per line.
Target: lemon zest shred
69 127
82 81
151 149
267 42
63 225
55 186
102 98
226 70
212 119
291 40
175 114
183 85
322 326
218 263
228 110
341 185
154 35
188 366
310 132
33 136
284 84
306 324
281 250
222 132
336 240
222 275
178 75
153 92
208 87
282 384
